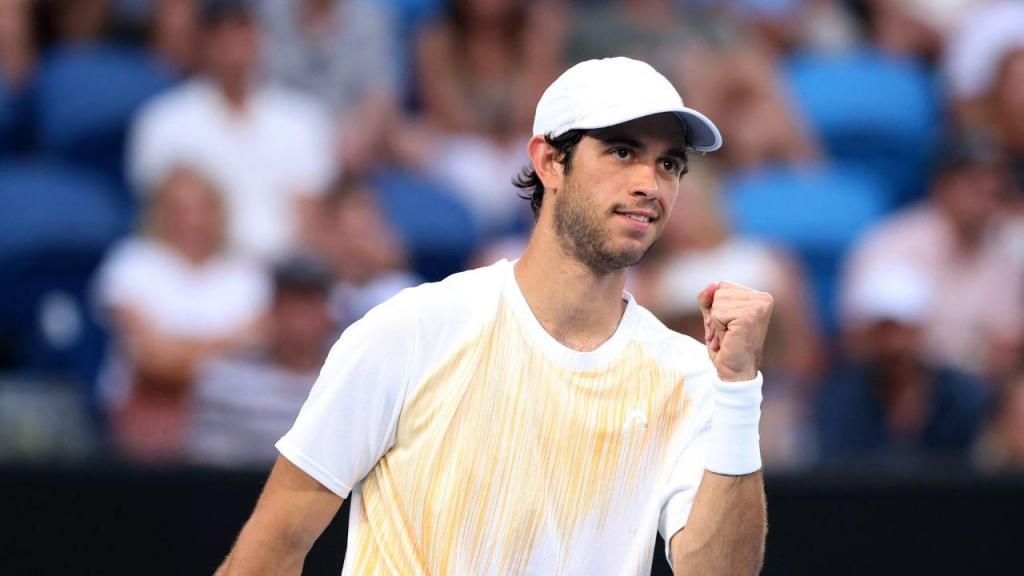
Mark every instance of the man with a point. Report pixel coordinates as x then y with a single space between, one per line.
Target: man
530 417
887 404
268 148
243 402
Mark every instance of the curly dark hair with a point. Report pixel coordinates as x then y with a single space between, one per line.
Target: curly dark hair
529 182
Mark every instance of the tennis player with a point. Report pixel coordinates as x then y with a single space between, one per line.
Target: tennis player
531 417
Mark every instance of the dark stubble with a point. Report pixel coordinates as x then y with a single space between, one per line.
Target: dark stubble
582 233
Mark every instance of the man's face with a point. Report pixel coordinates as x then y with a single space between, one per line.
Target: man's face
614 203
232 47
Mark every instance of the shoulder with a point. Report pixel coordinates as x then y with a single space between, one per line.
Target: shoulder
291 104
672 350
435 308
137 254
184 97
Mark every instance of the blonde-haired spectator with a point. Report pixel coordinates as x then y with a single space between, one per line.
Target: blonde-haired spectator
173 296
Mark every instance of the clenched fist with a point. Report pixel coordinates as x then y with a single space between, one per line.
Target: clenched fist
735 323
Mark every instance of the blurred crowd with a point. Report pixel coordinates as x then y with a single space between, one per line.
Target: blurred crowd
198 196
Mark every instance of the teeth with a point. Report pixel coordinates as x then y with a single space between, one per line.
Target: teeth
639 218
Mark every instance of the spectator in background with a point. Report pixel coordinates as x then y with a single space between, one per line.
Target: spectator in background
174 33
173 297
973 56
480 71
887 404
368 259
1001 448
655 31
698 249
344 52
1007 104
270 150
975 322
245 402
731 66
17 63
916 28
1006 110
17 43
79 22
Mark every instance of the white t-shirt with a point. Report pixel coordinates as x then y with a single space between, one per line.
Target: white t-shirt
179 298
279 149
472 442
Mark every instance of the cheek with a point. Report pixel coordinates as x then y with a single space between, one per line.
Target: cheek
669 195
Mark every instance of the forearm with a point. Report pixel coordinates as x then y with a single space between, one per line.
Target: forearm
255 555
725 533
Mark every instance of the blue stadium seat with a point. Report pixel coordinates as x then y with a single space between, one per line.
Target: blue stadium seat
57 222
816 213
873 110
84 99
438 231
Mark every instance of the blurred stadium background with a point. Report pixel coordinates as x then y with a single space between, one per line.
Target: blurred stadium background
198 196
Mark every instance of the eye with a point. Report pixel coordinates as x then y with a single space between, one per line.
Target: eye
670 165
622 152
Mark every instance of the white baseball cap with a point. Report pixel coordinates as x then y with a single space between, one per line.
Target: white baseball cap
601 93
895 290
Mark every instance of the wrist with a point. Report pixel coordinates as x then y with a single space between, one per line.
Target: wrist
726 375
734 444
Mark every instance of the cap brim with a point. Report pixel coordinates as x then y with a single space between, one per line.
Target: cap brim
701 133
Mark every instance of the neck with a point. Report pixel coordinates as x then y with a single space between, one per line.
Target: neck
235 91
298 358
578 307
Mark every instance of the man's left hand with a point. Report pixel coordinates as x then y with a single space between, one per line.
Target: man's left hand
735 323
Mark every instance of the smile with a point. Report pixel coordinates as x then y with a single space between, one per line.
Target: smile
641 216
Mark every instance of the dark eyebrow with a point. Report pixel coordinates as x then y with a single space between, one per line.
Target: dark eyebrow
621 140
678 153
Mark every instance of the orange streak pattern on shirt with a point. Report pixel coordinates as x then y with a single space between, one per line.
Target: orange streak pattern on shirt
500 442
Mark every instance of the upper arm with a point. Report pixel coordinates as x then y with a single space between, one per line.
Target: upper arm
293 510
349 420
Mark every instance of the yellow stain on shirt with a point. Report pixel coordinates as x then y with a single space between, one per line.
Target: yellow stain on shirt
500 443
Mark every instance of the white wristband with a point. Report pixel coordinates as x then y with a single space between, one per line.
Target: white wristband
734 445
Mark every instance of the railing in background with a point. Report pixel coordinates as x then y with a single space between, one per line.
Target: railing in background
116 520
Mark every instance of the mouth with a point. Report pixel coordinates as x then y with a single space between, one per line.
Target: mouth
642 218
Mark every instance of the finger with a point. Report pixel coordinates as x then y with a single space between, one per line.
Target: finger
706 298
727 284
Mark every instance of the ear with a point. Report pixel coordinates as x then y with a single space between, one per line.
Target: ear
542 155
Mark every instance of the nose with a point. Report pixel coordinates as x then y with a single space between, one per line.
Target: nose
645 182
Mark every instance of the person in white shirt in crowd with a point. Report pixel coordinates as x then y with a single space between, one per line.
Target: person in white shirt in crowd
243 402
347 54
271 150
367 256
173 296
956 238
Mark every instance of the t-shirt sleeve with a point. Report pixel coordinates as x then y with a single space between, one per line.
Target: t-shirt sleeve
123 276
684 479
348 422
